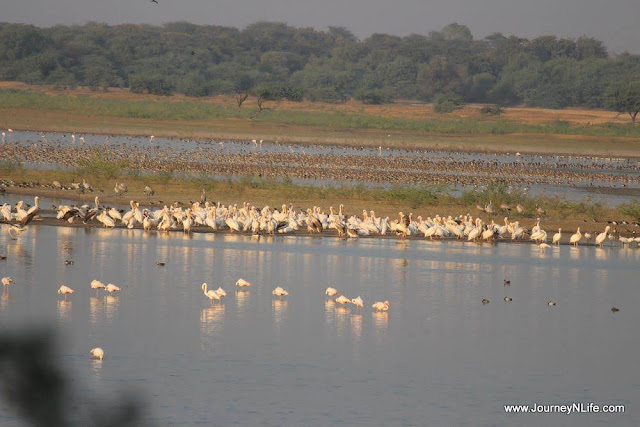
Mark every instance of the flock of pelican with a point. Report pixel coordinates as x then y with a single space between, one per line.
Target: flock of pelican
203 215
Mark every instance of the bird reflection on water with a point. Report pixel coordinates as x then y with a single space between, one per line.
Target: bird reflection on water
64 309
280 307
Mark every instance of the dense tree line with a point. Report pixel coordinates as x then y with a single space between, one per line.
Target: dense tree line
277 60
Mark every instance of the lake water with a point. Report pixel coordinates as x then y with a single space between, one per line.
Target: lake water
438 357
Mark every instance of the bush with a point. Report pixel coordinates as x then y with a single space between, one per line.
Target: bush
447 103
491 110
631 209
153 84
373 96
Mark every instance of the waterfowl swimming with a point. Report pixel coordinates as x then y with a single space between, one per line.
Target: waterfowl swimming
615 309
485 301
507 299
551 303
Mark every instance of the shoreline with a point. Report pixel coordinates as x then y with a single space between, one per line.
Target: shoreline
332 234
549 223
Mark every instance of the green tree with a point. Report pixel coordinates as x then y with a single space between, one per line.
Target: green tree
624 97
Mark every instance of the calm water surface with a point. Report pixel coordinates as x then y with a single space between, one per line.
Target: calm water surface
438 357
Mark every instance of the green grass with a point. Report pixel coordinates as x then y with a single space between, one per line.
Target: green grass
631 209
193 110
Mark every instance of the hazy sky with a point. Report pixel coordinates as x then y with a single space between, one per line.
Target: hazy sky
616 22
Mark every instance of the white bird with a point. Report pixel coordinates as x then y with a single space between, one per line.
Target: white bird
221 292
280 292
600 238
358 302
7 281
97 284
381 306
64 290
112 288
97 353
242 283
343 300
557 237
543 246
211 294
575 239
331 291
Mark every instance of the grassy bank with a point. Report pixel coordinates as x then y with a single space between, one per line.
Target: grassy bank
193 110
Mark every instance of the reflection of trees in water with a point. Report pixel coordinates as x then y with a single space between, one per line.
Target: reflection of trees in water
32 382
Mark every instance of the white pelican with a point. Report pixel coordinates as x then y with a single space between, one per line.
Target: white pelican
575 239
7 281
112 288
64 290
475 233
211 294
280 292
97 353
381 306
343 300
331 291
602 236
242 283
557 237
358 302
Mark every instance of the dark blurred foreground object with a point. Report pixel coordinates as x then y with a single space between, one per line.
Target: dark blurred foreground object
33 383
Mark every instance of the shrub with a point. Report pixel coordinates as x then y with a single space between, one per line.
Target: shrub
447 103
491 110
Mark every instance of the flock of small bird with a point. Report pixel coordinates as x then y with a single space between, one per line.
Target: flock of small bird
275 160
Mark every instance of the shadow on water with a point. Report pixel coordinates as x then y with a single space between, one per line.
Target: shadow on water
33 384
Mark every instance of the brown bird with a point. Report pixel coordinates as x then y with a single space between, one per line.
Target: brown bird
160 264
615 309
68 262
